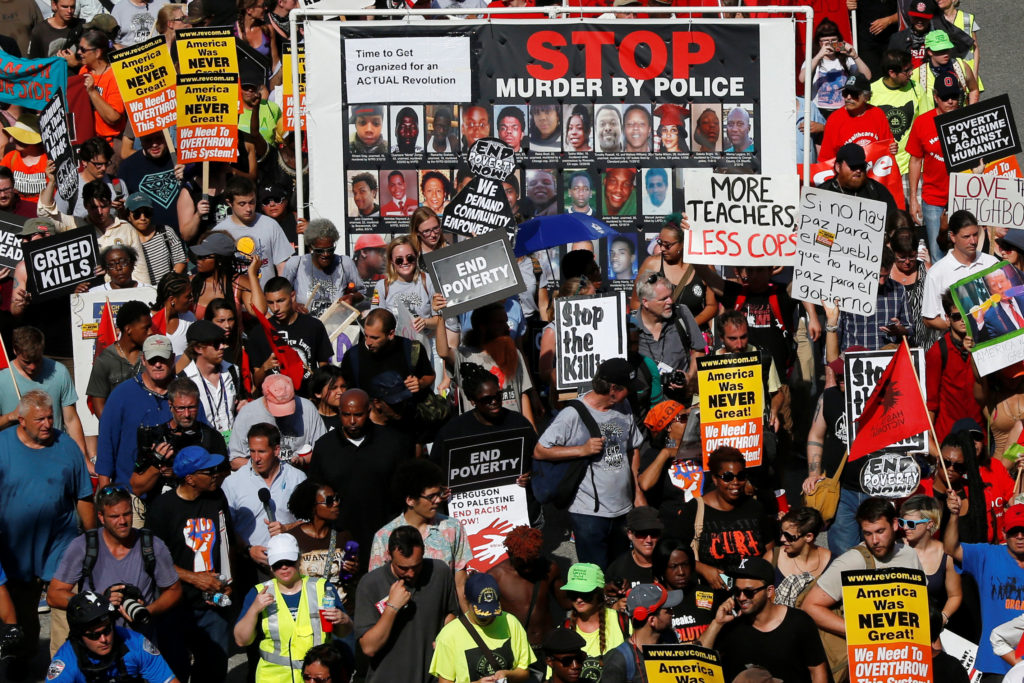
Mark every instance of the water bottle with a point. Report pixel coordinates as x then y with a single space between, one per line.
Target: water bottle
351 551
219 598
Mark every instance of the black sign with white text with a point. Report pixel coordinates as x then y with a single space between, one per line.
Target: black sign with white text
985 130
53 126
10 239
58 264
475 272
480 207
487 459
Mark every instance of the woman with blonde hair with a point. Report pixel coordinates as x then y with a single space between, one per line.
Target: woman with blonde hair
919 520
425 231
169 19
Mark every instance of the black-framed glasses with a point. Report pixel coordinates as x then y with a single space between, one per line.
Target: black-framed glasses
404 260
729 476
433 497
569 660
113 264
665 244
488 399
429 231
330 501
960 467
748 593
99 633
99 164
322 251
272 200
144 211
911 524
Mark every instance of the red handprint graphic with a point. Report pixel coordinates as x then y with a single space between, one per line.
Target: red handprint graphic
488 544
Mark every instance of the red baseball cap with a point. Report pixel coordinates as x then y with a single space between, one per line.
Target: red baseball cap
1013 517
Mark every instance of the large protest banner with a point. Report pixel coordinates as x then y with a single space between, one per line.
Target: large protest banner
984 130
992 304
207 118
839 250
588 331
482 472
206 50
10 239
740 219
31 83
732 404
86 310
474 272
675 663
887 631
146 79
57 264
53 127
995 200
290 99
654 97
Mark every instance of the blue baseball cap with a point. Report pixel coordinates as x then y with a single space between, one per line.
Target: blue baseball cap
191 459
482 593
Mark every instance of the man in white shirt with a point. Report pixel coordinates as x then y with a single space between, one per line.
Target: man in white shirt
962 260
216 378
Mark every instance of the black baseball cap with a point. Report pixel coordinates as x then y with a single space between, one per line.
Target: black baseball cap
618 371
204 332
756 568
853 155
563 641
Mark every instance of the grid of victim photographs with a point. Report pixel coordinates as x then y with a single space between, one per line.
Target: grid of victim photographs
617 162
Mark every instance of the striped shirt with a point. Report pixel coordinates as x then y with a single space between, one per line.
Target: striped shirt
163 251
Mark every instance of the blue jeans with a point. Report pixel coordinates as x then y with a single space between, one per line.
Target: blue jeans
598 539
932 223
845 531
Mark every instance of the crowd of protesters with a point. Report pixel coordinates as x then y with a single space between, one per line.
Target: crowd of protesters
291 507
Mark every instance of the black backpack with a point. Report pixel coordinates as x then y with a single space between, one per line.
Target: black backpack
557 482
92 553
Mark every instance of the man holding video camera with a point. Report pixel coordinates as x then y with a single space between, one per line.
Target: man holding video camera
158 444
131 568
668 335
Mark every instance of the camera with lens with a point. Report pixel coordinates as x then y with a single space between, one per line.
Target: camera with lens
677 377
148 437
131 603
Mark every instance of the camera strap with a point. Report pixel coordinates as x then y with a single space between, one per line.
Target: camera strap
92 554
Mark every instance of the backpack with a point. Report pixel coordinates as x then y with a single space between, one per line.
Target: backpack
92 554
557 481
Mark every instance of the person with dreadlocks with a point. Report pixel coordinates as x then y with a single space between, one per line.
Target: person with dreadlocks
527 581
172 311
97 650
591 617
490 345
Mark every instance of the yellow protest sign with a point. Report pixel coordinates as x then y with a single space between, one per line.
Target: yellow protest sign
731 404
289 94
682 663
207 117
206 50
887 631
145 78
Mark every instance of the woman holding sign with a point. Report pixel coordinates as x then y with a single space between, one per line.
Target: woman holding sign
93 47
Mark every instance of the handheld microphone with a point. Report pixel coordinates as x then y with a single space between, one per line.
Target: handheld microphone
264 495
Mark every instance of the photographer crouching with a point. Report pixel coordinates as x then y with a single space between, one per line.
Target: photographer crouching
131 567
97 650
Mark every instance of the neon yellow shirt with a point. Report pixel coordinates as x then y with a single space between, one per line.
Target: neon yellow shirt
458 658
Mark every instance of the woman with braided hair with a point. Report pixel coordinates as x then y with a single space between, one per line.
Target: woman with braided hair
591 617
172 312
688 288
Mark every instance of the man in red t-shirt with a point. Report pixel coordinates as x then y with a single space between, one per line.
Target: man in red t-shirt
858 121
926 154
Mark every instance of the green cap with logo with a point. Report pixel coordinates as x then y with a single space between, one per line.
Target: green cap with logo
584 577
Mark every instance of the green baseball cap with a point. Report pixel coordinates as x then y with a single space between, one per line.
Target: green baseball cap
937 41
584 578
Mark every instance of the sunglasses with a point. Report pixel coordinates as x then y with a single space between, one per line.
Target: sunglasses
949 98
852 94
790 538
729 476
588 597
209 472
911 524
273 200
956 316
322 251
748 593
158 361
205 257
960 467
569 660
111 489
144 211
1015 531
404 260
329 501
281 564
648 533
664 244
96 635
489 399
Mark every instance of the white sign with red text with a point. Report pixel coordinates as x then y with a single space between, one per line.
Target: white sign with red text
487 515
740 219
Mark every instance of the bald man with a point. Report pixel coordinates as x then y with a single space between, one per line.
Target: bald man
737 129
359 462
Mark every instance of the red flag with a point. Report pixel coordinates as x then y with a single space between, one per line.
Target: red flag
881 167
895 409
160 321
107 333
291 362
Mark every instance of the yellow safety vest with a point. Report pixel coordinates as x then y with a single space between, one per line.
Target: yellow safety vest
286 640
